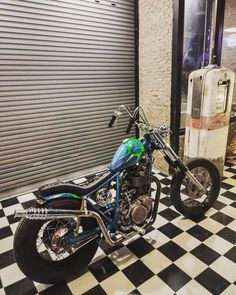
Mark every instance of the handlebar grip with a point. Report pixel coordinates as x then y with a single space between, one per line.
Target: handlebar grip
131 122
113 118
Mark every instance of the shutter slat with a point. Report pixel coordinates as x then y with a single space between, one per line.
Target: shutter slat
60 90
47 11
15 21
118 23
44 87
36 30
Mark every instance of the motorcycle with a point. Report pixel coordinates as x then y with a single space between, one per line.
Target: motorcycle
57 239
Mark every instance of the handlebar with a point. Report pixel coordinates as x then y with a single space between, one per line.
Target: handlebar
163 130
131 122
118 113
113 118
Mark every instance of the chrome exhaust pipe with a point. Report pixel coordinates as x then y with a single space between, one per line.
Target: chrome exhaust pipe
44 213
47 214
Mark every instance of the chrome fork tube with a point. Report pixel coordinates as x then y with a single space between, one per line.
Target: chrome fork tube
168 151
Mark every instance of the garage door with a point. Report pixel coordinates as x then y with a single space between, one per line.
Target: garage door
64 67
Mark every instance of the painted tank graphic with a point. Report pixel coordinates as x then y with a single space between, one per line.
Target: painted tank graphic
127 155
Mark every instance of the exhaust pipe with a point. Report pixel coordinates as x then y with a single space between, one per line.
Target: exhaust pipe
44 213
47 214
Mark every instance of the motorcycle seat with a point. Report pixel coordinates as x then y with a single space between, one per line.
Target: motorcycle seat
57 188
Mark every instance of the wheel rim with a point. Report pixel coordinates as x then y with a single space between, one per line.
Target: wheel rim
190 195
48 232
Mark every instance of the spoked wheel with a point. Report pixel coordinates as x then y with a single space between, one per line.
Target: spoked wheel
40 253
185 195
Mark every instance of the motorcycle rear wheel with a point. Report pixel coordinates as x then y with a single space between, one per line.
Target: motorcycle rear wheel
186 197
42 268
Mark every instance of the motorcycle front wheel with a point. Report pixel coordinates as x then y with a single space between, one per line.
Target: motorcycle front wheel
186 197
34 241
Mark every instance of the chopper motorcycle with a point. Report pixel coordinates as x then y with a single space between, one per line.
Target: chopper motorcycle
58 238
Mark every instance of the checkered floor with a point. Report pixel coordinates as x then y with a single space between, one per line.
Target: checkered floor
177 255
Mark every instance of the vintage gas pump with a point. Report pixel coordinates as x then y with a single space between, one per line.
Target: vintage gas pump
209 102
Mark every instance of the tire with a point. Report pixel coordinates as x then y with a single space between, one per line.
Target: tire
178 180
34 266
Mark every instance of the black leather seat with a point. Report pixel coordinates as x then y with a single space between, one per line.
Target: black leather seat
58 188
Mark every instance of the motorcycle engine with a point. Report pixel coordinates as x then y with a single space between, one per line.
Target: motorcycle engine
140 209
136 202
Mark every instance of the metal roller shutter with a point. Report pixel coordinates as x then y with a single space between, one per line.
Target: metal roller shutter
64 67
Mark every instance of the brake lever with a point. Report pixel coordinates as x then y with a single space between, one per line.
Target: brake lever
117 113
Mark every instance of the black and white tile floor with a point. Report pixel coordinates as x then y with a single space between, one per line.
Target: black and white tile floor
177 256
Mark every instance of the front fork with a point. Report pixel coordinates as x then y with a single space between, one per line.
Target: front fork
173 159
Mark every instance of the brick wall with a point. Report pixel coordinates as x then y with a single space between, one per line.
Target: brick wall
231 144
155 56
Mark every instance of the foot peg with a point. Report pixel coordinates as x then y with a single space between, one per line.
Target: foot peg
139 229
